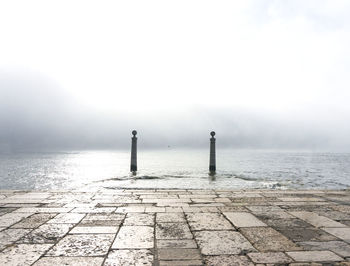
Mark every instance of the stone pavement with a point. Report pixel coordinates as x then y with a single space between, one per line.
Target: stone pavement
175 227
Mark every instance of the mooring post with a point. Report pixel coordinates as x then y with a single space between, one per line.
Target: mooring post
133 164
212 160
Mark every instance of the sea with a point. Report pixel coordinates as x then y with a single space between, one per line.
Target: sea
175 168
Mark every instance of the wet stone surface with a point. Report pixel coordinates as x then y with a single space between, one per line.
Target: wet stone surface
175 227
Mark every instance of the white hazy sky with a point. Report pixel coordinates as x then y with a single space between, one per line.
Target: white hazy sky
282 58
280 55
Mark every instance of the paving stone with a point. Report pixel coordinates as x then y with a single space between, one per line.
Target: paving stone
314 256
173 231
309 264
133 237
317 220
34 221
67 218
178 254
94 219
177 243
243 219
43 210
9 219
155 209
200 209
93 210
180 263
222 243
130 209
232 209
269 257
82 245
342 233
228 260
273 215
264 209
139 219
296 199
46 233
267 239
9 236
335 215
173 209
287 223
94 230
338 247
170 218
72 261
306 234
141 257
208 221
22 254
4 210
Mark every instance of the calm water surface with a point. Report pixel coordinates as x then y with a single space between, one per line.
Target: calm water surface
175 169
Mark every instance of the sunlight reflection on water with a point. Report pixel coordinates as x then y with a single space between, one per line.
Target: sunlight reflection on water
175 169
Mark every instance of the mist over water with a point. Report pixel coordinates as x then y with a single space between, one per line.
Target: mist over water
264 76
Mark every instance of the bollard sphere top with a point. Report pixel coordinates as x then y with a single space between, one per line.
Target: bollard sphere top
134 132
212 133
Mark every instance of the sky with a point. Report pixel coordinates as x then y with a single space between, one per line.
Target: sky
263 74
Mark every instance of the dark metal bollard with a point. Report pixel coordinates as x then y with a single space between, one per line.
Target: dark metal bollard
212 161
133 164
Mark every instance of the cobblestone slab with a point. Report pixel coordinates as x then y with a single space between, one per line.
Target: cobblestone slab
171 217
180 263
270 257
208 221
94 230
178 254
9 236
267 239
34 221
67 218
305 256
222 242
9 219
141 257
76 261
228 260
173 231
178 243
22 254
175 227
243 219
317 220
46 233
82 245
139 219
338 247
342 233
133 237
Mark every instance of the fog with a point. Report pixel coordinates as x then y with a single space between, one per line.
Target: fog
36 115
264 75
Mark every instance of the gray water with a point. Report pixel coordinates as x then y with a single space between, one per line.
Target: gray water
175 169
